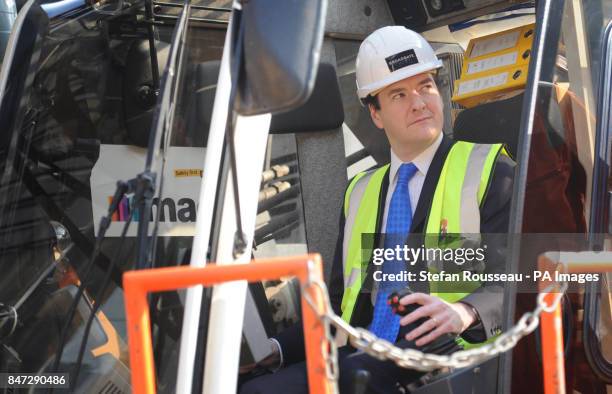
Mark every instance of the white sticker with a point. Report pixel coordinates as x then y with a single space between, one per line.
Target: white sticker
492 62
182 180
495 44
483 83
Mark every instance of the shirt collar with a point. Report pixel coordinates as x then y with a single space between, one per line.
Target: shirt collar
422 161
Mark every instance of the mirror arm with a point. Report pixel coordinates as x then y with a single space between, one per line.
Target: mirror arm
230 132
152 47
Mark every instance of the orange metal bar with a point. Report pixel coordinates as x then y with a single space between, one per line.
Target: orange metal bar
137 284
551 329
551 323
578 268
552 349
587 262
576 262
315 342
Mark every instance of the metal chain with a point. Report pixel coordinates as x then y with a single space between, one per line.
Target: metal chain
381 349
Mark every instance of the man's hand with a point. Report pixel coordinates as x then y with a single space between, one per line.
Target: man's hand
271 361
442 317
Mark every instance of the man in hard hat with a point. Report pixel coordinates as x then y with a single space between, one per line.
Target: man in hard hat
433 186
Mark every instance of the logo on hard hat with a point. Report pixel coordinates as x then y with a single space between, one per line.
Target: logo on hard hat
401 60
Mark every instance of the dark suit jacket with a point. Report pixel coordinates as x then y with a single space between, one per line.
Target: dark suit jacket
487 300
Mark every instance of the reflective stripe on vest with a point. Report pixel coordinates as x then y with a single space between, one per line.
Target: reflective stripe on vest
455 208
365 187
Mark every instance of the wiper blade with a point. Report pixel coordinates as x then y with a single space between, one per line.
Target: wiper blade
160 132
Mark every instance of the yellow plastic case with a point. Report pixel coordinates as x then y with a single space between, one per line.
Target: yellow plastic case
482 88
494 65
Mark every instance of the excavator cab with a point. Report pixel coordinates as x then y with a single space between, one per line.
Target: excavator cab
133 139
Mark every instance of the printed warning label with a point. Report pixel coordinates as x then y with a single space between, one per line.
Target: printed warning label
495 44
483 83
492 62
185 172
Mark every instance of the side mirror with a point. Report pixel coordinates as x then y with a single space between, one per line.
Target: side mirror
323 110
282 44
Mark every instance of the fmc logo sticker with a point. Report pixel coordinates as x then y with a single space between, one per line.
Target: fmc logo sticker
176 205
183 210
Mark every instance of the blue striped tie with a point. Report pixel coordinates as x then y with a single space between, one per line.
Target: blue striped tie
385 324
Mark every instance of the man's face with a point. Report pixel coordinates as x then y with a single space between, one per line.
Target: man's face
411 113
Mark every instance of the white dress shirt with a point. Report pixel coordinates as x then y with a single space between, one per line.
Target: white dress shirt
415 185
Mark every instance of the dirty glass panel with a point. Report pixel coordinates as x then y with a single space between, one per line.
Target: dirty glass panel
76 119
280 230
175 203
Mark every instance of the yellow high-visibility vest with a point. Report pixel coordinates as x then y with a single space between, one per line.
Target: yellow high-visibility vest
455 208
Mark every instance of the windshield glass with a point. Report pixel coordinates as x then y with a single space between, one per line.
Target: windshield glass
76 114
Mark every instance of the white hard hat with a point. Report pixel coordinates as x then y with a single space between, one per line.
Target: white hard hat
391 54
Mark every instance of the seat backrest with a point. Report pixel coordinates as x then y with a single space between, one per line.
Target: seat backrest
493 122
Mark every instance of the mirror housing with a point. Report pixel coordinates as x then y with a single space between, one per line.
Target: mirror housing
282 45
322 111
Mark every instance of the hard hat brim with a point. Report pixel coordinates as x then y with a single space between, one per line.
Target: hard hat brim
375 88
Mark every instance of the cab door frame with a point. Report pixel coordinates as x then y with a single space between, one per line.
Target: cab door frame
549 15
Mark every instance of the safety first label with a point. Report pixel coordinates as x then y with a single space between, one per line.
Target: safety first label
186 172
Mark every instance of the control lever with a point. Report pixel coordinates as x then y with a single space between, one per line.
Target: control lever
394 302
361 379
445 343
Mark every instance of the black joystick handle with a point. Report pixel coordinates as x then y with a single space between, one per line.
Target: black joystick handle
361 379
394 302
443 344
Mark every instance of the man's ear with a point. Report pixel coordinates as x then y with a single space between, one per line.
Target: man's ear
375 115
